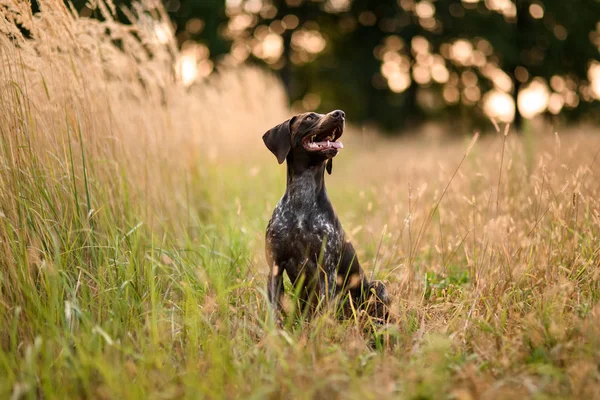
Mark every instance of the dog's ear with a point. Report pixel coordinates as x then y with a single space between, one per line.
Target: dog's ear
279 140
329 166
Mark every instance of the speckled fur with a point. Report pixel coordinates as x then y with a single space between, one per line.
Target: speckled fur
305 238
305 230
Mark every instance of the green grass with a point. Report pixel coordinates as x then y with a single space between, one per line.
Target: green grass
100 305
132 217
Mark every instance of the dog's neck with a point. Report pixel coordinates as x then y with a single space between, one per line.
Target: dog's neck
305 185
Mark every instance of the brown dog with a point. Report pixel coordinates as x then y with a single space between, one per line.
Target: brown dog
304 237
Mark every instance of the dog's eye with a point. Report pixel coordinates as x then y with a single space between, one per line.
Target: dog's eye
309 117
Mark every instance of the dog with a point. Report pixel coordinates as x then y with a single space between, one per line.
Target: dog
304 237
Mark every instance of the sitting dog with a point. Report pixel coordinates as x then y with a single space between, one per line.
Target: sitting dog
304 237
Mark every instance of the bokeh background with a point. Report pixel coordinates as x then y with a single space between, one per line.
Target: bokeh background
135 190
398 63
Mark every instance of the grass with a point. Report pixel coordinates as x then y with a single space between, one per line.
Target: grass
132 214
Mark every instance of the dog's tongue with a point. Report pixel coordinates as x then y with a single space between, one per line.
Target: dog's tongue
330 145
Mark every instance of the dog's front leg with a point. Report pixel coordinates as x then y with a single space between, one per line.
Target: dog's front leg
351 276
323 288
327 283
275 292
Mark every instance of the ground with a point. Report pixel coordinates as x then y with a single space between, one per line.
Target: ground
132 216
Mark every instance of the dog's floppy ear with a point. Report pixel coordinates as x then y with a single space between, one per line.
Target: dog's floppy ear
329 166
279 140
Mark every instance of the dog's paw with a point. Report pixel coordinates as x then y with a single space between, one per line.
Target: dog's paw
378 301
378 289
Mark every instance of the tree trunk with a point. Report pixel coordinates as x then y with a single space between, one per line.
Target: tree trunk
518 121
286 71
522 28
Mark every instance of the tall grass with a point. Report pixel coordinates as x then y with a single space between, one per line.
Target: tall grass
132 214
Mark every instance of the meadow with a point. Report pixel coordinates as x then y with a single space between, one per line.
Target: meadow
132 217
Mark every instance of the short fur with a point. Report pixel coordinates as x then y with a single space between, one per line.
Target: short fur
304 237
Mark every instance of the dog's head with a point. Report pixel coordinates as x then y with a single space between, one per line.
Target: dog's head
311 137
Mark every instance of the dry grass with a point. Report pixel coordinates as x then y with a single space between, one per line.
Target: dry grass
132 213
110 91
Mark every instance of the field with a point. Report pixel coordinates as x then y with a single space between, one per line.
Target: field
132 215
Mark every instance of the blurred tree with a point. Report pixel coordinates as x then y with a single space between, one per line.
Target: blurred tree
201 21
396 62
561 50
543 42
324 52
399 62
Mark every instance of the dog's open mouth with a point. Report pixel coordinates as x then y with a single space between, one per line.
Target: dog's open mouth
324 141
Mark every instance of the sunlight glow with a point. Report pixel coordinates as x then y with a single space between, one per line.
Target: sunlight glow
533 100
555 103
425 9
239 52
471 95
194 63
239 23
451 94
499 106
420 45
571 99
407 5
499 78
194 26
290 21
311 41
560 32
188 69
253 6
536 11
337 6
421 74
504 7
558 83
440 73
233 3
399 82
594 77
271 48
396 67
163 33
461 51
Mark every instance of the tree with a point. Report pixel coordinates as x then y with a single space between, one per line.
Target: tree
399 62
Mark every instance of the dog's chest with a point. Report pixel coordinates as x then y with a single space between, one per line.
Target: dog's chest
300 229
289 223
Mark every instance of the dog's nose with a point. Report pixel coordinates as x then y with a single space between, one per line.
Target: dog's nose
339 114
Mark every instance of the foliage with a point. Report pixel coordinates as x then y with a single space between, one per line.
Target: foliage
132 215
400 62
500 40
